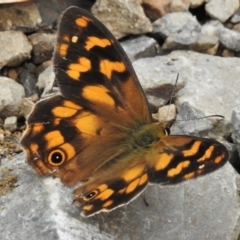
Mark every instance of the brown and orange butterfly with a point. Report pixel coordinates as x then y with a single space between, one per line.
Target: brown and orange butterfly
99 130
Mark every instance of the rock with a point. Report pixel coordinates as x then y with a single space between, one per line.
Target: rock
130 20
229 38
19 16
46 80
191 210
155 9
166 113
207 80
236 17
221 10
190 121
179 5
10 123
12 54
236 129
196 3
178 23
43 45
140 47
28 79
10 97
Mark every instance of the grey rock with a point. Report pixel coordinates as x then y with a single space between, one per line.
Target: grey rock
236 129
12 54
10 97
19 16
221 10
236 17
46 81
177 22
28 79
229 38
43 45
122 17
207 80
10 123
140 47
205 208
189 121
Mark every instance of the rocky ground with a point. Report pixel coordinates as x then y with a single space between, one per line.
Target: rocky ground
196 39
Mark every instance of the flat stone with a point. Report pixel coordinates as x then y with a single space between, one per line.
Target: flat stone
12 54
207 80
130 20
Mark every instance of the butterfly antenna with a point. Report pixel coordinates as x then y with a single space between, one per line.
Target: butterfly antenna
171 97
173 91
200 118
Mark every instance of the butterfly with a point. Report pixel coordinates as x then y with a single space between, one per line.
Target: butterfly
99 132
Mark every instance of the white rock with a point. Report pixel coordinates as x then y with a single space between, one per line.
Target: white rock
11 94
10 123
220 9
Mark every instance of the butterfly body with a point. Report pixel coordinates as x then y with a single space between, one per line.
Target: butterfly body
99 131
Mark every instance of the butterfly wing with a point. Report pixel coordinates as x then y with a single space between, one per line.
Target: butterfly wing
178 158
101 101
93 70
170 160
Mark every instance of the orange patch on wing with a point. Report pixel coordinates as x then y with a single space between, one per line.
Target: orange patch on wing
219 158
207 154
63 112
107 67
95 41
163 161
193 150
105 194
71 104
34 147
88 124
82 21
62 49
69 149
75 69
132 186
97 94
189 175
107 204
54 139
133 173
87 208
36 128
143 179
175 171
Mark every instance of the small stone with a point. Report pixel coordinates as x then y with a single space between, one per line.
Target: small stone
166 113
10 123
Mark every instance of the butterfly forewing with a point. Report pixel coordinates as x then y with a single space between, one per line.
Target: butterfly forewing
93 70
